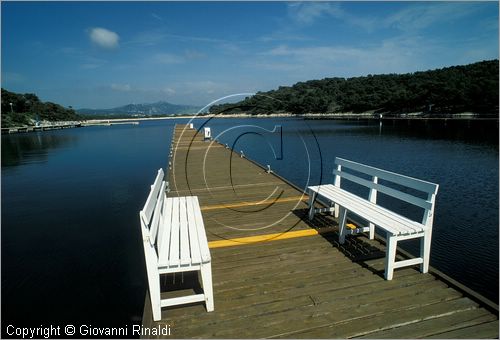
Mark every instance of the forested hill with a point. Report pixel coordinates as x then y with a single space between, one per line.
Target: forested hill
469 88
142 110
27 107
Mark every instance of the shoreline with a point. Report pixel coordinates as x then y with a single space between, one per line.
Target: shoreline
339 116
307 116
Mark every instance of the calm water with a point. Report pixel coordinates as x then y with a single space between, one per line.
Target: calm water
71 247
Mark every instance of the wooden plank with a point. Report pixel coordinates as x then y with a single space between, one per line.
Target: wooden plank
488 330
185 255
194 244
388 319
339 287
174 254
166 232
300 320
202 237
254 203
435 326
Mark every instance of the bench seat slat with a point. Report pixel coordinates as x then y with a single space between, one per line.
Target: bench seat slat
202 238
194 244
165 218
185 257
392 222
164 241
173 257
382 217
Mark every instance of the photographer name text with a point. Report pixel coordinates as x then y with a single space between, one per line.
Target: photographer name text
85 330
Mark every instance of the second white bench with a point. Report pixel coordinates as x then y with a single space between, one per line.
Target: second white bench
396 226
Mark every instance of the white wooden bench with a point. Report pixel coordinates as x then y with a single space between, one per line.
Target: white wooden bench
174 241
396 226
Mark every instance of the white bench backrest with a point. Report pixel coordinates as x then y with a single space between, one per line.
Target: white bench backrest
151 214
430 189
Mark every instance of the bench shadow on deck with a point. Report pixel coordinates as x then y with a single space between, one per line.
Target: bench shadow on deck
305 287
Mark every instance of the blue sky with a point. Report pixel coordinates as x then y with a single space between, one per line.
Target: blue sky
107 54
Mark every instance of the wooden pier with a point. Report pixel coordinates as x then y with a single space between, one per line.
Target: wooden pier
109 123
277 275
21 129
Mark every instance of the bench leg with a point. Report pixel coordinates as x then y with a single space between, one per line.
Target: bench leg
372 231
342 222
425 250
390 256
154 294
206 278
312 197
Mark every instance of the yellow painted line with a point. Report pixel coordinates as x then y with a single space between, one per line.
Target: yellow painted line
350 226
181 148
235 186
266 238
255 203
240 241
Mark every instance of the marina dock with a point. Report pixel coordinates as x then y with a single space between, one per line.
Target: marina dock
22 129
278 275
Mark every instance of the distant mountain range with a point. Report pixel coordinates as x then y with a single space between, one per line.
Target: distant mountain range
141 110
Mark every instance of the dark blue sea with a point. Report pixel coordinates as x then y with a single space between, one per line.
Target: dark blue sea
70 243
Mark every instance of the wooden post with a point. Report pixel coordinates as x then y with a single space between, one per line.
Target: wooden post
312 197
373 198
206 278
342 222
337 184
390 256
425 241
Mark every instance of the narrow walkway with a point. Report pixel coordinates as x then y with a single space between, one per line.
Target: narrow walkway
278 276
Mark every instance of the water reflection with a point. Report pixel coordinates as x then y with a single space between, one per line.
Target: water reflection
468 131
33 147
70 224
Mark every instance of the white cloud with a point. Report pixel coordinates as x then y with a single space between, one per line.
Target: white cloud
280 50
89 63
104 38
203 86
156 16
388 56
13 78
168 91
421 16
167 58
121 87
412 18
306 13
89 66
193 54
